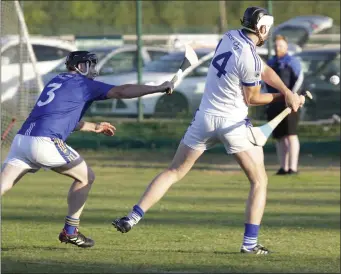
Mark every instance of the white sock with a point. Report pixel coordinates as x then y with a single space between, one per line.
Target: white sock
134 217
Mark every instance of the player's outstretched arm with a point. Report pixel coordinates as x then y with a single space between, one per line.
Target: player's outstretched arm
102 127
133 91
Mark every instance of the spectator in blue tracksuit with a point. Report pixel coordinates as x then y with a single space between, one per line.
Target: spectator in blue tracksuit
289 70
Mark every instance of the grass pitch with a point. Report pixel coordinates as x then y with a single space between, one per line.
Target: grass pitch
196 228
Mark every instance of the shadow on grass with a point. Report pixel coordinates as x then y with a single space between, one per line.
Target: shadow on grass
192 200
45 248
158 159
235 263
311 220
203 194
226 166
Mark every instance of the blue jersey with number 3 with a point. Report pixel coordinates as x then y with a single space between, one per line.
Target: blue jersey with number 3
62 104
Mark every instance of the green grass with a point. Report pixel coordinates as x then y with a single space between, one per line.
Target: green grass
196 228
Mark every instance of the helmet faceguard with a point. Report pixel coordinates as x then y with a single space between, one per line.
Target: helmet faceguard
254 18
78 57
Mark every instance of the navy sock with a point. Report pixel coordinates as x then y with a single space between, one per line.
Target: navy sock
70 225
138 210
250 235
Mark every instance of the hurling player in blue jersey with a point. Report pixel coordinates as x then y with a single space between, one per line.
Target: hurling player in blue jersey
40 143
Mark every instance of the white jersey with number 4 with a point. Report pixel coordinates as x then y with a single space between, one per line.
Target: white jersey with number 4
235 64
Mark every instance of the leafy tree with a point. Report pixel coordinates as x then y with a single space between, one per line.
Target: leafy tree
118 17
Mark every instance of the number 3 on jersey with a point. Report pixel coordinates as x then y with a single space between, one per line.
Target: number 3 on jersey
50 93
221 67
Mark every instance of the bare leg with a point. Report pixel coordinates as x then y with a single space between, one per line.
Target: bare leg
79 190
294 151
78 194
183 161
252 162
10 175
282 147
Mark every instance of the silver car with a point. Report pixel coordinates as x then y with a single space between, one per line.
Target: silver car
185 98
116 60
300 29
315 23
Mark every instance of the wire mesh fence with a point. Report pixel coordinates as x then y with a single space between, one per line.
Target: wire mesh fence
20 82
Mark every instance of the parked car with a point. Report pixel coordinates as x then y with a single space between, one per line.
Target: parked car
116 60
318 66
155 73
48 52
186 97
296 35
299 30
111 60
315 23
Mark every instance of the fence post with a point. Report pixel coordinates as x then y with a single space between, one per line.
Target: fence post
270 34
139 55
222 17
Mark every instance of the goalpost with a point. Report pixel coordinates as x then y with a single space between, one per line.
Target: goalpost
20 79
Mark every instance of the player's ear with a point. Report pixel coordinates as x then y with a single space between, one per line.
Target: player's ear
262 30
80 66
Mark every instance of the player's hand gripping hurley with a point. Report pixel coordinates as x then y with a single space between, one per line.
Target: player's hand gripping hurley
190 59
259 135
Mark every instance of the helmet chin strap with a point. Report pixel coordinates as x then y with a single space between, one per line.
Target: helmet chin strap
83 73
261 40
89 72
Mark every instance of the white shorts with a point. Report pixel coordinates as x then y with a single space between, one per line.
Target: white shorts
31 152
206 130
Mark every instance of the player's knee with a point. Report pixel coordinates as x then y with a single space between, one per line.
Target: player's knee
5 185
262 181
3 190
259 179
176 173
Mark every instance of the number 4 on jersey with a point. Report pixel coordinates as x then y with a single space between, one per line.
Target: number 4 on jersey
221 68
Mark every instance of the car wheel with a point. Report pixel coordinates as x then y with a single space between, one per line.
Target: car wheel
170 106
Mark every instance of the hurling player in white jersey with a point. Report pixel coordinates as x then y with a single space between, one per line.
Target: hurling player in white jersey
233 83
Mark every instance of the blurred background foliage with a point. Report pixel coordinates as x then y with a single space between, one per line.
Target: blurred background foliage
159 17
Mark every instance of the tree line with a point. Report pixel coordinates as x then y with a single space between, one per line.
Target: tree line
159 17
